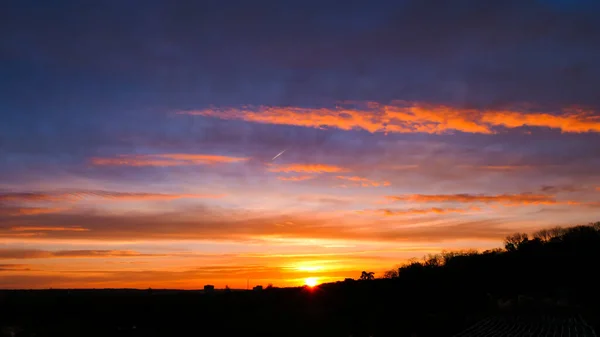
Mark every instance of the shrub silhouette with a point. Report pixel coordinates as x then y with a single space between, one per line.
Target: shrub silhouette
367 275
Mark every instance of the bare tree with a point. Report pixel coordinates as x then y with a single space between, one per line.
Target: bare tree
433 260
514 241
547 234
557 232
391 273
543 235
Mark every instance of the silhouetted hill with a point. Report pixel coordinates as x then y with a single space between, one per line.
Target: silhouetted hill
552 273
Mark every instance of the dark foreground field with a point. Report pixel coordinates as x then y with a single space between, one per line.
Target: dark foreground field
368 308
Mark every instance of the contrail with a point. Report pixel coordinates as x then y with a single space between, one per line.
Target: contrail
279 154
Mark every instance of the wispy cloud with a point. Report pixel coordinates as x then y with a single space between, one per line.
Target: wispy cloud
76 195
563 188
47 229
168 159
415 211
32 196
43 254
24 211
364 182
307 168
410 117
296 178
516 199
145 196
499 167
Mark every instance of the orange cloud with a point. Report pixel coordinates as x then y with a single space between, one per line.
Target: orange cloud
433 210
522 198
364 182
169 159
296 178
409 117
432 119
345 119
16 211
573 120
309 168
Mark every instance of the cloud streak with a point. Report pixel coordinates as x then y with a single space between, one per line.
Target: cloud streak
510 199
48 229
18 211
364 182
410 117
45 254
77 195
424 211
307 168
296 178
165 160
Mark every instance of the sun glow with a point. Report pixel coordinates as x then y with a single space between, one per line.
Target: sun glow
311 281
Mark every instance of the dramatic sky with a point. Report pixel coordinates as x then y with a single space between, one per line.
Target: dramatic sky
137 137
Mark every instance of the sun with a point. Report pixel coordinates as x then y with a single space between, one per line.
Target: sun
310 281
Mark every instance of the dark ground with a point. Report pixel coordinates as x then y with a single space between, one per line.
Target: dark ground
365 308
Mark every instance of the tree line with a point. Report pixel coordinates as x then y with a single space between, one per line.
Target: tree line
579 242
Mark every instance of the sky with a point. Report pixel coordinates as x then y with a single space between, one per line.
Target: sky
137 138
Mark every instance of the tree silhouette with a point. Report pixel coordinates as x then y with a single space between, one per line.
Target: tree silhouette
367 275
544 235
391 273
515 241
